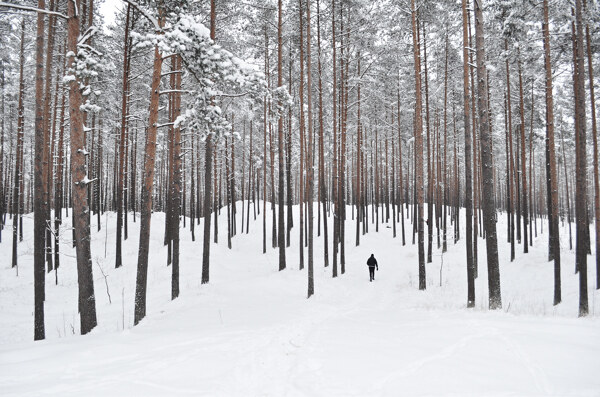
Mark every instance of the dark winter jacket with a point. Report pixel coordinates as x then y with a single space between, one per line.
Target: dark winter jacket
372 262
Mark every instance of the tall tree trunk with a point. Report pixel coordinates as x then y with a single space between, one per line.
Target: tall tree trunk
429 156
192 189
264 162
281 225
335 150
59 186
400 171
513 178
288 159
358 151
418 146
444 240
468 169
47 161
208 159
18 171
39 216
3 178
250 179
581 160
551 173
595 152
120 174
475 147
489 209
344 62
146 199
322 185
311 182
81 219
176 181
302 131
524 206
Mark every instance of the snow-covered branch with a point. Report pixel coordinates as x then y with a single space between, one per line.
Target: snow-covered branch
145 13
34 9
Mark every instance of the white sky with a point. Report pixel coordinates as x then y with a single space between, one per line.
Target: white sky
108 10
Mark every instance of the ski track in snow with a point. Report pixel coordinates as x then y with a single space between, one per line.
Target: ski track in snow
252 332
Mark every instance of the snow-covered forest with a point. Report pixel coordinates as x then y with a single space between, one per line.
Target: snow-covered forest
190 192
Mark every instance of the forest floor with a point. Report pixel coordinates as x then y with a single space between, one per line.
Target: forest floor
252 332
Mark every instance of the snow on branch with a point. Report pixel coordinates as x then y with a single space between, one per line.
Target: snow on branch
87 35
145 13
34 9
217 73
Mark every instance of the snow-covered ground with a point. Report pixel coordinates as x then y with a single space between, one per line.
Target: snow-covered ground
252 332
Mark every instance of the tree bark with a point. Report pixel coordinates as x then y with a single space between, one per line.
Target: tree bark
39 216
146 199
322 185
595 152
208 159
335 149
81 218
551 173
17 191
176 181
524 206
468 169
489 209
581 160
419 146
281 225
120 174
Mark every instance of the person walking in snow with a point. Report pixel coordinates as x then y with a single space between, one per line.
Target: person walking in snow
372 264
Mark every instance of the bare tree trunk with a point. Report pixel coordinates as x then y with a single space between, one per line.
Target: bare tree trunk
523 163
475 159
281 220
193 206
468 169
358 151
250 179
176 181
418 146
512 178
208 159
429 156
444 240
311 182
18 171
322 185
581 160
3 178
81 219
47 161
400 171
146 199
344 60
595 152
59 192
120 174
489 209
264 162
288 159
551 173
335 148
39 230
302 131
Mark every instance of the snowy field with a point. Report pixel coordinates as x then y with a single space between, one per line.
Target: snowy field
252 332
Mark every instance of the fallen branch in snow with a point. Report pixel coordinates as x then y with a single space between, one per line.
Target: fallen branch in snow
105 280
